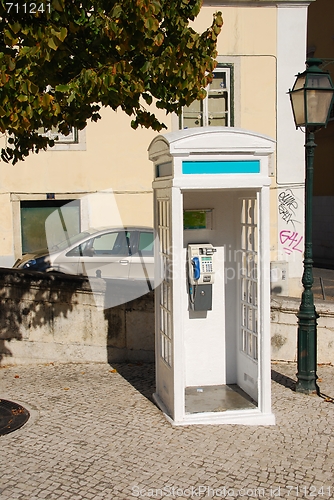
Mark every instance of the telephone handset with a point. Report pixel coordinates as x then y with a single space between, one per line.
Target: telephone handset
200 275
196 268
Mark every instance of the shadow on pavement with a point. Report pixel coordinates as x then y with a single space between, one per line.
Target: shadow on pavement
281 379
289 383
326 398
140 375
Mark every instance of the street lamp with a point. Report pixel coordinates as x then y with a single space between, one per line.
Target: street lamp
311 99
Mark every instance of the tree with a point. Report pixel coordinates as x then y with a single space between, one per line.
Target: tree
61 60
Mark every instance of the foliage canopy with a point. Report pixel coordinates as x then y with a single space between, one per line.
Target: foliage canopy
61 60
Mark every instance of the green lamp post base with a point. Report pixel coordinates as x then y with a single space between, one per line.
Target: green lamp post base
307 351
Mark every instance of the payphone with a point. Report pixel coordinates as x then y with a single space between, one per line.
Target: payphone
200 275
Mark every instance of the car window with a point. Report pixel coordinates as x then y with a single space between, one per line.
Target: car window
105 243
146 243
80 250
115 243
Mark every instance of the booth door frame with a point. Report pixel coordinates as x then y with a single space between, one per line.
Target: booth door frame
164 338
249 347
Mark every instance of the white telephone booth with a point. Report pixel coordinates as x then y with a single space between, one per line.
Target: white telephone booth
211 209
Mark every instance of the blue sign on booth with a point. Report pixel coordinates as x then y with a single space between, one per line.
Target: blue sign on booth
221 167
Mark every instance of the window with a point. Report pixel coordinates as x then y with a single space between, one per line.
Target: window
112 244
34 215
75 141
215 109
146 243
71 138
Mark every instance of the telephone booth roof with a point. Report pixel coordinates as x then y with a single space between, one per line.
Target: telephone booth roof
212 157
219 140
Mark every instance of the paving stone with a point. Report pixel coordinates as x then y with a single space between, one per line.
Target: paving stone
94 434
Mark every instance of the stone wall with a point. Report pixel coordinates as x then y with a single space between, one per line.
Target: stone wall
284 329
46 318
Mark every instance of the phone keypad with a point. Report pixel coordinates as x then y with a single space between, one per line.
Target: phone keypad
207 267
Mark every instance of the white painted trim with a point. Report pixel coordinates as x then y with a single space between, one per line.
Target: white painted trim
291 56
71 146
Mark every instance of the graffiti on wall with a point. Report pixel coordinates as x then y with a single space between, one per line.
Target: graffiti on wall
290 238
291 241
287 207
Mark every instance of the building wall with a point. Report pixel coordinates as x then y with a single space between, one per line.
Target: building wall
320 43
256 38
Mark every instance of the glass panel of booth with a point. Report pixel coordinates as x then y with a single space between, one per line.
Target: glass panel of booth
163 218
248 277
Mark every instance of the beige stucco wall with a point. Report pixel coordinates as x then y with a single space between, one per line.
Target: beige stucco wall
115 156
246 30
248 39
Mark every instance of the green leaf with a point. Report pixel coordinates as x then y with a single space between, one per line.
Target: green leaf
148 98
145 67
32 87
62 88
4 77
59 35
116 11
46 99
15 27
11 64
52 44
151 23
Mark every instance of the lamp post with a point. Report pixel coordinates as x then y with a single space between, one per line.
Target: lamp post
311 99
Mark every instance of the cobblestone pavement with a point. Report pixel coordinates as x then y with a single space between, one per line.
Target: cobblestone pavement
94 433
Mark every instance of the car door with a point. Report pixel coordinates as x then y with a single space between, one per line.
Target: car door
105 256
142 260
66 262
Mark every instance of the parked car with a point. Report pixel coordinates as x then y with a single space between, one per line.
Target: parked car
114 253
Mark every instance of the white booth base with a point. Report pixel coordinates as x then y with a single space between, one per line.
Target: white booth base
240 417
